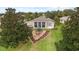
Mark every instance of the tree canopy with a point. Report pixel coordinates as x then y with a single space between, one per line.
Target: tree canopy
14 30
70 33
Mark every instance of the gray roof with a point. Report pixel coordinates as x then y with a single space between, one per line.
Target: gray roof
42 18
64 18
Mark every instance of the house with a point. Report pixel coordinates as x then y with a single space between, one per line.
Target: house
41 23
64 19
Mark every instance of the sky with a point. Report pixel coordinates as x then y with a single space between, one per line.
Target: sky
37 5
35 9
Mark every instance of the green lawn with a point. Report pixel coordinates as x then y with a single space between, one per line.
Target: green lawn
45 44
48 43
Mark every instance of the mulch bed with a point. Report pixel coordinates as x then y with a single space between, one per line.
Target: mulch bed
34 40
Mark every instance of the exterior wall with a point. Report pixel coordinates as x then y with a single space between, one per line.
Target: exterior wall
62 21
37 25
30 24
48 25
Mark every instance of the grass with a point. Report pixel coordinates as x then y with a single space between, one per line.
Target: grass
48 43
45 44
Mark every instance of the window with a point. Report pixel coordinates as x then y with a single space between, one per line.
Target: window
35 24
43 24
39 24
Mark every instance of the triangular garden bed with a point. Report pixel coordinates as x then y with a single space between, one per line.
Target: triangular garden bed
37 35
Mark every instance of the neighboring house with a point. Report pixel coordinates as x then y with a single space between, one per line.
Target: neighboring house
41 23
64 19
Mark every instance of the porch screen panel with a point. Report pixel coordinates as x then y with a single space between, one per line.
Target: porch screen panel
39 24
35 24
43 24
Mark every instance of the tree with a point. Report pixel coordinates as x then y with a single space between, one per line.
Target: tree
70 33
57 20
14 31
68 12
54 15
32 15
